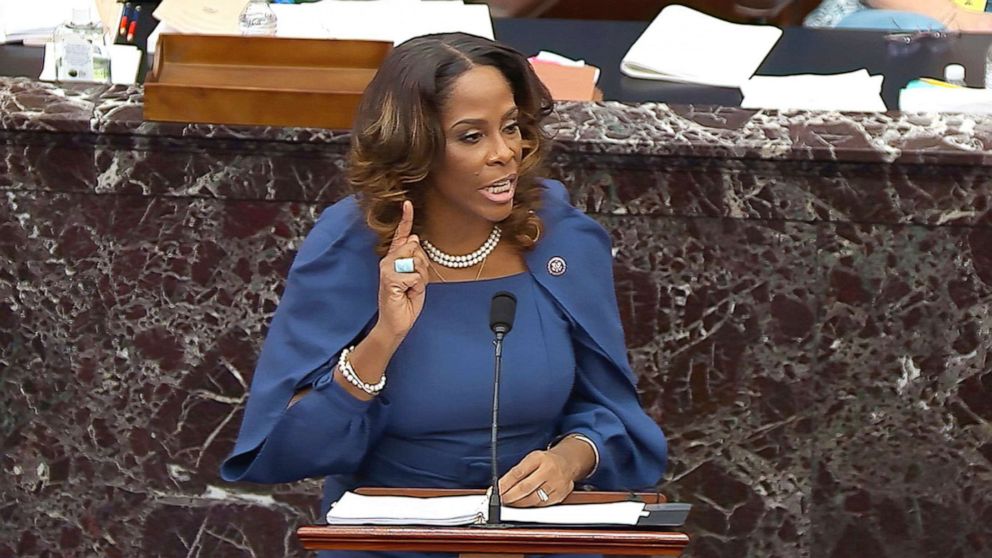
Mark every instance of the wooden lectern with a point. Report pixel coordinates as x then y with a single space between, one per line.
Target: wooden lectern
471 541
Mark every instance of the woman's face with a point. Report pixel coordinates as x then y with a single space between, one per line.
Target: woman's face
477 174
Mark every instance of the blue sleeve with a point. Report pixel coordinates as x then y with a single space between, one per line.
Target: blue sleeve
626 461
604 405
327 432
328 302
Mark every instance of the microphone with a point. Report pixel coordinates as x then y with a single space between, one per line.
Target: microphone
501 314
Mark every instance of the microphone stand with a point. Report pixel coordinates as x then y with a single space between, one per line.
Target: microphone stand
495 503
501 312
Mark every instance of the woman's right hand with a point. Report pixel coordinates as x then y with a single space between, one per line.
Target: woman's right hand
401 295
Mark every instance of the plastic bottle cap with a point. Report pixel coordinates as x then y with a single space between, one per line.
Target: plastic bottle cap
954 73
82 12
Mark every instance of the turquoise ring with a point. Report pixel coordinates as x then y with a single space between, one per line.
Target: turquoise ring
403 265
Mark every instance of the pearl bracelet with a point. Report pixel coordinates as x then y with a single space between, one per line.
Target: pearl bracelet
348 371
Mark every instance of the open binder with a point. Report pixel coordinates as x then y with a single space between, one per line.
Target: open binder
515 539
472 509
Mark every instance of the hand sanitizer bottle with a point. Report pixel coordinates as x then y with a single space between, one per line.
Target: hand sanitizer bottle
258 19
81 51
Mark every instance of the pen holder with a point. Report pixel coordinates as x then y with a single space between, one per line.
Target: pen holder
136 23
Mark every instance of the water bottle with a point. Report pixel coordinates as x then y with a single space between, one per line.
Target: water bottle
81 50
258 19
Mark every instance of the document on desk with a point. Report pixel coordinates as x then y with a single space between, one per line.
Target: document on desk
203 17
684 45
919 96
377 20
381 20
357 509
850 92
20 20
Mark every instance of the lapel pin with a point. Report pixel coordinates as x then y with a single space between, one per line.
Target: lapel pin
556 266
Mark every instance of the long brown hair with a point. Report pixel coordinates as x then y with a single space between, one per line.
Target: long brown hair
398 135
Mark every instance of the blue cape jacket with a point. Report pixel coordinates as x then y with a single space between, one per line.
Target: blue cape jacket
331 298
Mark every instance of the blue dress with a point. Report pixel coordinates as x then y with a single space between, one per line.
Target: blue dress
439 388
436 407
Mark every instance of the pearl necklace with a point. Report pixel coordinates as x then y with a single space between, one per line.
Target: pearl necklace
468 260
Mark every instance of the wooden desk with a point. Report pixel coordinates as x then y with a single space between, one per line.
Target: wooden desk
806 298
779 12
463 540
603 44
512 540
800 50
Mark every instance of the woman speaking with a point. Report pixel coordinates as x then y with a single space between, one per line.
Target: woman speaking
377 368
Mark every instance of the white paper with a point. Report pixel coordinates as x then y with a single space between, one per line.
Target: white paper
851 92
612 513
380 20
446 17
354 509
946 99
48 66
25 20
124 63
555 58
684 45
204 17
19 18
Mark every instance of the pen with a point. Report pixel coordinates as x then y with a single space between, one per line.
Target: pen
938 83
124 17
134 23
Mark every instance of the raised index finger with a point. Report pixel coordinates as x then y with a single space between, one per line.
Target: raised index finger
404 227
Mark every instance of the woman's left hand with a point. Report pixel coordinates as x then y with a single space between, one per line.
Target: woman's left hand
543 470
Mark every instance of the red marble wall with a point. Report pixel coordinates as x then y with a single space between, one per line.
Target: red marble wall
812 333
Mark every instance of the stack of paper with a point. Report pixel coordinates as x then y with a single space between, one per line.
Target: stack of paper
919 96
355 509
853 92
379 20
382 20
684 45
613 513
203 17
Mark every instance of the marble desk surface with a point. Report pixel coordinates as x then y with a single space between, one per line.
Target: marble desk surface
605 128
